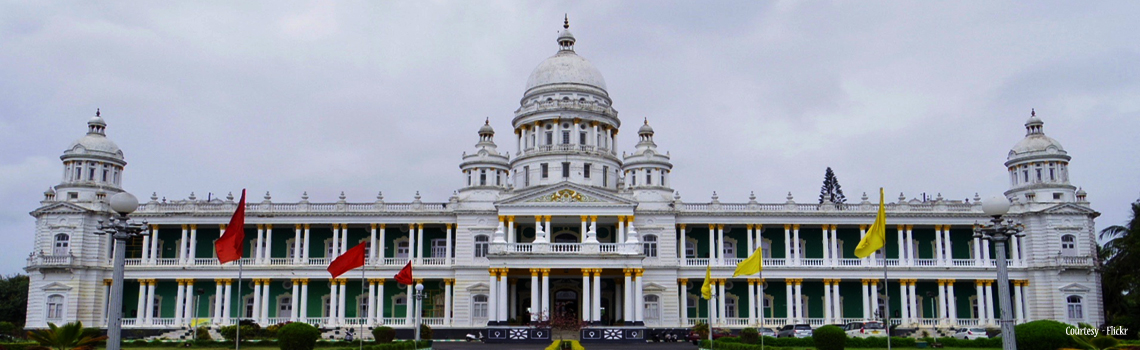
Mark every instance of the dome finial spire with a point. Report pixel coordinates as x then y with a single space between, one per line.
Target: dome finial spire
96 112
566 21
1032 112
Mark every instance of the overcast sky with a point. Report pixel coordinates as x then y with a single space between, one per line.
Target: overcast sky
360 97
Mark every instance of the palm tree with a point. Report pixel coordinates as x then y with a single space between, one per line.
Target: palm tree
1120 255
70 336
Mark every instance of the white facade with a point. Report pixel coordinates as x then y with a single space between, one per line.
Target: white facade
561 222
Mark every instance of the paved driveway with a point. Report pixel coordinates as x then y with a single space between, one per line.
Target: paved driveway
589 346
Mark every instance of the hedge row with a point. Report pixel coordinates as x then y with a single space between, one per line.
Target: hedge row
733 343
400 345
18 346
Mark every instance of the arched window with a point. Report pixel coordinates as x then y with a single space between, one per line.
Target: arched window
479 306
729 249
1076 310
55 307
1069 245
62 244
402 249
690 249
649 246
481 242
652 307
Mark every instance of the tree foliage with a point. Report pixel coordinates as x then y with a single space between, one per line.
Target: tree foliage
14 299
1120 285
831 191
70 336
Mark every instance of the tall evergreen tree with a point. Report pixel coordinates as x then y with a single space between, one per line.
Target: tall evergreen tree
831 190
1120 286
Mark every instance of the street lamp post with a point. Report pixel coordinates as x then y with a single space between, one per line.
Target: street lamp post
123 204
999 231
419 303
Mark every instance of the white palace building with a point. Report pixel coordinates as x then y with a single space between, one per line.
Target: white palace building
562 224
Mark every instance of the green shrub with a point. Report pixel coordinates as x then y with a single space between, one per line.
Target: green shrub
729 340
829 338
749 336
271 331
202 333
248 332
877 342
297 336
19 346
383 334
425 331
702 329
1043 335
1104 342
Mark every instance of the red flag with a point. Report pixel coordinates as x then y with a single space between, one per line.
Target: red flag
229 246
351 259
405 275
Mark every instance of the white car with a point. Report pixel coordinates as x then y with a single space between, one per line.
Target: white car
865 329
971 333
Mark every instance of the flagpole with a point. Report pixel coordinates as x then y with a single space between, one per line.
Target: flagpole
711 344
237 335
365 318
761 302
887 313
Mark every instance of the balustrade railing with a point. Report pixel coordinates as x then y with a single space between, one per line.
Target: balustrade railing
166 262
850 262
320 261
280 261
963 262
206 261
395 321
811 262
565 247
132 262
432 321
925 262
967 322
434 261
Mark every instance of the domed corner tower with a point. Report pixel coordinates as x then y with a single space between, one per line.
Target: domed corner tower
565 124
1039 169
92 167
486 168
646 170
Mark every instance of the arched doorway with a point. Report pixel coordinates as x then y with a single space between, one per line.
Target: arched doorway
566 303
566 237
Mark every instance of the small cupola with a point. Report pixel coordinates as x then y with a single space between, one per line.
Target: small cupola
565 39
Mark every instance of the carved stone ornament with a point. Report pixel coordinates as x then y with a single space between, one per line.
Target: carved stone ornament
565 195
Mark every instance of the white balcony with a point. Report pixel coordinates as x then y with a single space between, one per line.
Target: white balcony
566 248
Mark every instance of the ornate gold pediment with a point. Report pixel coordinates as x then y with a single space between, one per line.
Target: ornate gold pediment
564 196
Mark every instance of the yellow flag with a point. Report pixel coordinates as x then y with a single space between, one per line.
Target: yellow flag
752 265
877 236
706 289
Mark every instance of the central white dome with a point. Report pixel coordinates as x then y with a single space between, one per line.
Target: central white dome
566 67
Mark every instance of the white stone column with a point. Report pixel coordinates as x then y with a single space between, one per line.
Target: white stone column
549 235
836 253
1025 300
370 316
1014 252
267 252
534 297
939 257
913 300
720 244
296 246
343 238
639 297
875 298
179 299
751 243
867 260
493 297
977 251
682 285
294 300
342 292
182 244
835 304
412 248
259 245
790 296
952 300
141 314
788 244
800 314
447 243
587 300
720 301
949 245
380 255
266 301
334 302
751 296
303 313
826 246
447 301
799 250
620 236
191 309
910 253
627 297
904 304
305 248
943 306
219 300
989 301
712 244
827 298
866 301
597 294
380 301
146 250
986 253
546 291
1018 302
153 244
511 229
582 233
227 299
504 298
980 297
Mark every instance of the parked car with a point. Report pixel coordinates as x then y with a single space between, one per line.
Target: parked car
971 333
802 330
865 329
766 332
